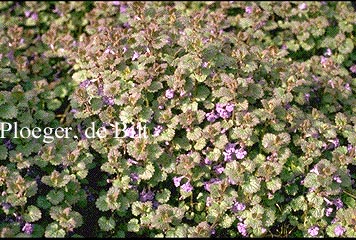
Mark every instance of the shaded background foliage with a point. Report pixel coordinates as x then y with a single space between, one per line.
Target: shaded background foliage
249 108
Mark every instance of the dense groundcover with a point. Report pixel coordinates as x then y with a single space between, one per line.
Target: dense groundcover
247 110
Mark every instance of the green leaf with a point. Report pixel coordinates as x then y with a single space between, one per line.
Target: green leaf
163 195
8 111
155 86
106 224
102 204
55 197
252 186
54 231
202 93
3 152
133 226
274 185
34 214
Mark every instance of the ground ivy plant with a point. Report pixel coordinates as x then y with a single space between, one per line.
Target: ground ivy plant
248 107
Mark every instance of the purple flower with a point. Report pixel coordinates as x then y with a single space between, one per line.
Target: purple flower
353 68
229 107
347 87
187 187
349 148
177 180
8 144
169 93
116 3
315 170
240 153
339 230
338 203
209 201
27 228
219 169
337 179
306 97
328 52
205 64
27 13
241 227
85 83
313 231
207 161
135 56
157 130
323 60
122 8
108 100
238 207
211 116
134 177
6 205
302 6
34 16
146 196
248 9
328 211
130 132
131 161
210 182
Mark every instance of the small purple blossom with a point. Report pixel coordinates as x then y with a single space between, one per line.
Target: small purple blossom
210 182
349 148
115 3
219 169
146 196
27 13
134 177
338 203
307 97
211 116
177 180
241 227
207 161
347 87
169 93
131 161
205 64
6 205
323 60
27 228
209 201
339 230
130 132
328 52
8 144
353 68
157 130
337 179
329 211
313 231
248 9
187 187
237 207
315 170
108 100
240 153
34 16
302 6
135 56
122 8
